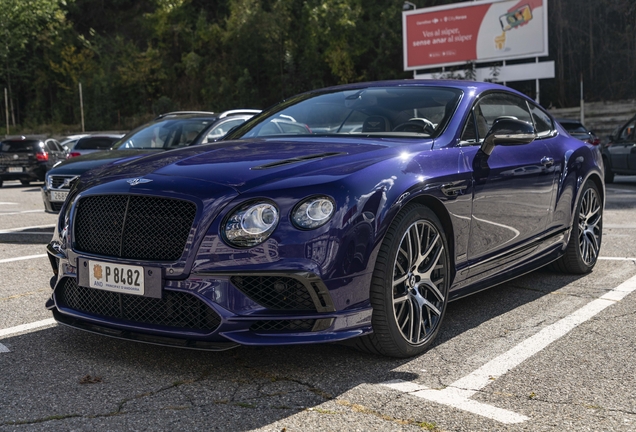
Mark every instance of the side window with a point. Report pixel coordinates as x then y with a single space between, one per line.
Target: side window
469 135
628 131
497 105
542 122
222 129
49 146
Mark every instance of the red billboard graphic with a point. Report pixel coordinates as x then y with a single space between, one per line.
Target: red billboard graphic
485 30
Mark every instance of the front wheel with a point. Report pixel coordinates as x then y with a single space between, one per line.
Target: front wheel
409 290
583 248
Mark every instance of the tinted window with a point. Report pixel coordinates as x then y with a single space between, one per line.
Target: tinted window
164 134
498 105
220 130
20 146
94 143
574 127
388 111
52 146
489 108
542 122
628 131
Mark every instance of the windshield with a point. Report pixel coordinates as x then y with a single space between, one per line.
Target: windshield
411 112
164 134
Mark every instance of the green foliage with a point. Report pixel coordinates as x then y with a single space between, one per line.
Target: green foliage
138 58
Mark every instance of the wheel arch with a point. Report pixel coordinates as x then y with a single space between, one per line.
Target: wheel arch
598 182
444 217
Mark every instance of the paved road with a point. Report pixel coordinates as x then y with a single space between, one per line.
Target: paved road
543 352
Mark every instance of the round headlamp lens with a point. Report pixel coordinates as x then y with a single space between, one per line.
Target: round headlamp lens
251 224
313 212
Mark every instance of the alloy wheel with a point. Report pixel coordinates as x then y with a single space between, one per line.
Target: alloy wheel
590 216
419 282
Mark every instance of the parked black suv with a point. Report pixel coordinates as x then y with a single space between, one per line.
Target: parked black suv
28 159
619 154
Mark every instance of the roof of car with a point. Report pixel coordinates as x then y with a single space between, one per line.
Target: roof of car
186 114
207 114
102 136
26 138
562 120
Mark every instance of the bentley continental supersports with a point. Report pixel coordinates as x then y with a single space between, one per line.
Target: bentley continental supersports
349 213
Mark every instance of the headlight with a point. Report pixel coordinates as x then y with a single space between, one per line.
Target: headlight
313 212
251 224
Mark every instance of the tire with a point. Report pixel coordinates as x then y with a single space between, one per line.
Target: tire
409 289
608 173
586 234
1 183
25 182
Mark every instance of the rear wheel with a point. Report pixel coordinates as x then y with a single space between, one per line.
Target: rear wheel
583 248
0 183
25 182
409 290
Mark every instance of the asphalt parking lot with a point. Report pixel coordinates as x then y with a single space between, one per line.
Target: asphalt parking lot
542 352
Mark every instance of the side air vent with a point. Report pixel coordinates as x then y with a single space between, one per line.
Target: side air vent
297 160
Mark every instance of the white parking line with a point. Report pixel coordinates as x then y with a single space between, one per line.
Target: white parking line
21 229
458 394
617 258
21 212
7 203
25 327
6 260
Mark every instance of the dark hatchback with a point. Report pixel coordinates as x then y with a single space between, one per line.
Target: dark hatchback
166 132
619 153
28 159
579 131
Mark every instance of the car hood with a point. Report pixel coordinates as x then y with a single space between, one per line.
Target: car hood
81 164
245 164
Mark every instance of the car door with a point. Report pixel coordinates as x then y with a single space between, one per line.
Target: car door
53 152
57 151
621 147
512 188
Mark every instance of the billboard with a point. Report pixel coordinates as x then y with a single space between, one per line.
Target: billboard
487 30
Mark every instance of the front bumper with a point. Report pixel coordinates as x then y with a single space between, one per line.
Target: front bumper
53 207
210 311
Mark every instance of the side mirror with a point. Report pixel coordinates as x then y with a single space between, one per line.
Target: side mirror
508 131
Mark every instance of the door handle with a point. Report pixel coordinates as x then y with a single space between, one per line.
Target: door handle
547 161
453 189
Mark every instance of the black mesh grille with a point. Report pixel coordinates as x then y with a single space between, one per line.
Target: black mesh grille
283 326
275 292
175 309
133 227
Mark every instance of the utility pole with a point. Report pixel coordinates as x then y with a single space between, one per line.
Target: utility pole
81 105
6 110
582 102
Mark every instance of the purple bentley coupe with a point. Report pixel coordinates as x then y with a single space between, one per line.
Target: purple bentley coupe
353 212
